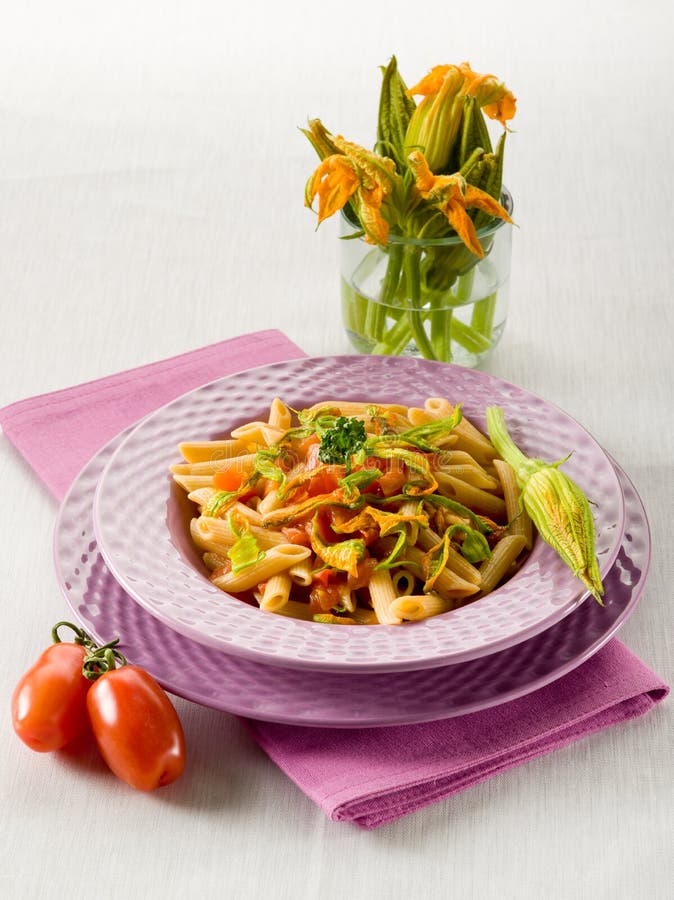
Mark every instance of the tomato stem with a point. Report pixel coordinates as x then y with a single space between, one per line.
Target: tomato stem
103 659
81 637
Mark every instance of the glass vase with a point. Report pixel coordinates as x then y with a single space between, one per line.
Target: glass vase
430 298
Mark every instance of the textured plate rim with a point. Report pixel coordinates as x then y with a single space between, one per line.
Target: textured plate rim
441 659
507 696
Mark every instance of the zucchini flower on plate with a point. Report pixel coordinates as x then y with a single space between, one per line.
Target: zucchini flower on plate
558 507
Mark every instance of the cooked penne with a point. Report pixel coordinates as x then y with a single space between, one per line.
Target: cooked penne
474 498
191 483
217 536
519 521
448 584
202 496
301 572
469 438
210 467
457 563
256 434
473 475
314 535
279 415
505 553
410 508
214 560
403 581
202 451
292 610
276 559
382 595
276 592
364 616
350 408
420 606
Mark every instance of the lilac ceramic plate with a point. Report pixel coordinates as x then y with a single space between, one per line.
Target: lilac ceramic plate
341 700
141 518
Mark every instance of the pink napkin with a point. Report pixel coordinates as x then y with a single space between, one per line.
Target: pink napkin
367 776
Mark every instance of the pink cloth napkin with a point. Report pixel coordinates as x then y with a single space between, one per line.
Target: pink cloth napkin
366 776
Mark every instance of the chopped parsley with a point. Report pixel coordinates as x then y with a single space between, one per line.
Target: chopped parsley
339 443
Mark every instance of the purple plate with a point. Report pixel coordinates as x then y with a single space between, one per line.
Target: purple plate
141 519
340 700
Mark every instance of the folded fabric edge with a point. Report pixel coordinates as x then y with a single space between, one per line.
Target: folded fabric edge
380 808
11 410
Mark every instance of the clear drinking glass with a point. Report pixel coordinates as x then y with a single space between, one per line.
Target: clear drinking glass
430 298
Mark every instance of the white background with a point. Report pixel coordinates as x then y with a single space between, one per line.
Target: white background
151 191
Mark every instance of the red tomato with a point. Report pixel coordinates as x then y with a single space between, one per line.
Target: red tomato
136 728
323 577
391 482
229 480
309 445
323 482
49 704
296 535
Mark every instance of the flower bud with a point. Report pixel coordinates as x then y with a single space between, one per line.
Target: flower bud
557 506
435 123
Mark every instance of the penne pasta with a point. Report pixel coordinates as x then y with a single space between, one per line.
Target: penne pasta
301 572
276 592
217 536
202 496
293 610
279 415
448 584
214 560
382 595
191 483
474 498
276 559
257 434
494 570
519 521
457 563
318 537
420 606
201 451
473 475
364 616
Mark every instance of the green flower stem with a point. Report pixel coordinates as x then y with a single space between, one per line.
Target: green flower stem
354 306
441 332
482 319
414 314
395 340
376 317
464 286
468 337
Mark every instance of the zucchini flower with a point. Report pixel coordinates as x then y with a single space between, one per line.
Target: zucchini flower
491 94
435 123
452 195
557 506
353 174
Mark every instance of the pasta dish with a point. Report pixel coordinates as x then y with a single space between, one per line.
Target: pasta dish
355 513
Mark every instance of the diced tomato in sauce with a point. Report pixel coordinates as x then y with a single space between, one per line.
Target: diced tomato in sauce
229 479
296 535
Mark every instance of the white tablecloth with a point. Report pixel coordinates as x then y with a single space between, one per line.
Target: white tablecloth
151 190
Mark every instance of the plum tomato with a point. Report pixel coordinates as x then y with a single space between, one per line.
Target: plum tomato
136 728
49 703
